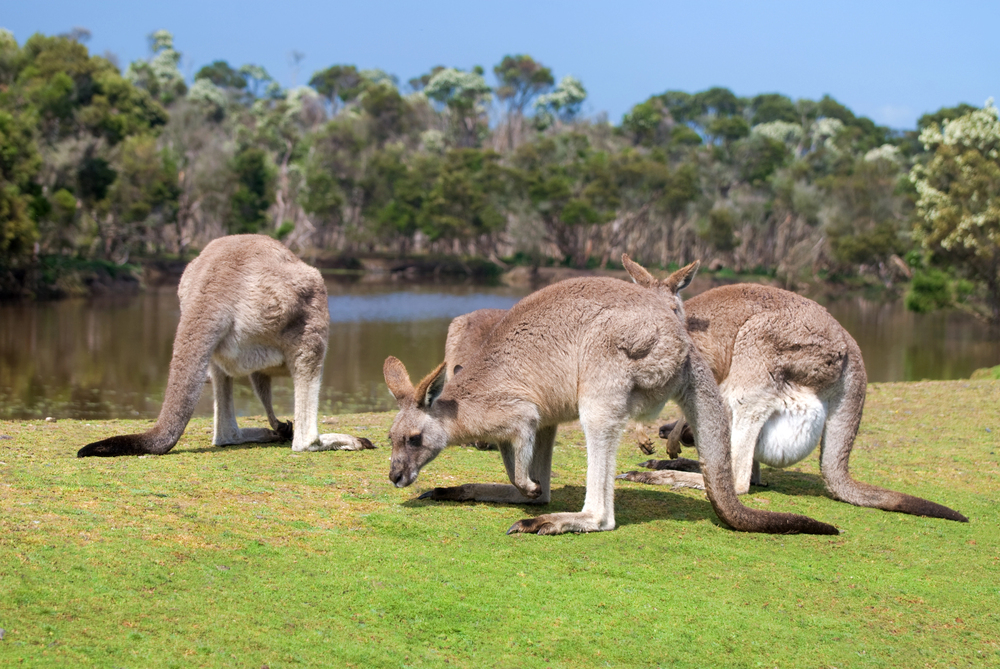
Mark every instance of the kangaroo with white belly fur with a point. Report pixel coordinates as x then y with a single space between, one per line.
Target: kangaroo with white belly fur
597 349
249 307
793 378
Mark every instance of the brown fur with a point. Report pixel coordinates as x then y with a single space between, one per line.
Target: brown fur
764 345
466 334
599 349
248 307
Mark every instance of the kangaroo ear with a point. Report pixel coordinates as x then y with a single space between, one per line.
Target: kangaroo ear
397 379
431 387
680 279
638 272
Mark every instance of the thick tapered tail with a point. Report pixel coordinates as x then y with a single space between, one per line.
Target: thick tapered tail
704 409
862 494
193 345
842 424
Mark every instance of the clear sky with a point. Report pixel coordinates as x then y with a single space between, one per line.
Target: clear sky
891 61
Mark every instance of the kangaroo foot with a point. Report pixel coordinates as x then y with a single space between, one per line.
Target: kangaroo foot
665 477
560 523
677 465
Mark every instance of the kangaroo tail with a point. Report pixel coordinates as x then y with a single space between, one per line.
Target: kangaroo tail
838 438
194 343
705 411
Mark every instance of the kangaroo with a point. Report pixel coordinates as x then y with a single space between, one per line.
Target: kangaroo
466 335
249 306
598 349
793 378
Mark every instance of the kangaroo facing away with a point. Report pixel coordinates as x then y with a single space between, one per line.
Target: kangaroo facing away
249 307
598 349
793 378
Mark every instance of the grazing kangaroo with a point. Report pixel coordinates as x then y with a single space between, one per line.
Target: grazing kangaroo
248 307
466 335
598 349
793 378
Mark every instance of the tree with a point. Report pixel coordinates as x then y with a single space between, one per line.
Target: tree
464 94
771 107
159 75
19 163
958 203
563 103
571 186
222 75
338 83
254 192
521 79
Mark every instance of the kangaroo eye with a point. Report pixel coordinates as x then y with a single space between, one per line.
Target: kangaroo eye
415 441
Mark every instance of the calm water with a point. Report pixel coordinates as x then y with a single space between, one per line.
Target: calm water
108 358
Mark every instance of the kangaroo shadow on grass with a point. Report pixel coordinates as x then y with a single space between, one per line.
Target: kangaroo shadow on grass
792 483
231 447
632 506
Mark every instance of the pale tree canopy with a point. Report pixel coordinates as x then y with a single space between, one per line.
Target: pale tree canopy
564 102
160 75
959 197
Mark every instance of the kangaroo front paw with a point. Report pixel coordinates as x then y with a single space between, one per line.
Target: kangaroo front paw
285 430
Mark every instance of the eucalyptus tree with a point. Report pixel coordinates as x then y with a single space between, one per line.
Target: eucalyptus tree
958 203
521 79
160 74
464 95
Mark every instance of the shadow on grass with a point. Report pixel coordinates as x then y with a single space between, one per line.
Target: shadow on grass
233 447
642 505
793 483
632 506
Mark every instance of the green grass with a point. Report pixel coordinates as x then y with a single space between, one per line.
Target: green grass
256 556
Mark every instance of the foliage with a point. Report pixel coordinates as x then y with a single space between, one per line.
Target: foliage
563 103
464 94
254 192
353 164
959 197
521 79
929 291
160 74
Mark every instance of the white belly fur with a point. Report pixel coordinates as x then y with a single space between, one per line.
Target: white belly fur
242 358
793 430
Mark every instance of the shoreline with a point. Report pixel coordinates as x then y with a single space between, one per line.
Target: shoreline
56 279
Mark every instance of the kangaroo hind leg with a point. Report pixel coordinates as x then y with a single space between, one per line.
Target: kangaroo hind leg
603 428
307 376
262 388
226 430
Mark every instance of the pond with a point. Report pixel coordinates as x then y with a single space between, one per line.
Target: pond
108 357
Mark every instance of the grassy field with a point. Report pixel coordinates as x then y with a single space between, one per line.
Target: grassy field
256 556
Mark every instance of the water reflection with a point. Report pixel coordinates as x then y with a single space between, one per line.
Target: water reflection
107 358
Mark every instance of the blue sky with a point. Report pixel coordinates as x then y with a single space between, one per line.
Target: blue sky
891 61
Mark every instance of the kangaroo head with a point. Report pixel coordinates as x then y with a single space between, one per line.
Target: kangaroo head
670 287
417 436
